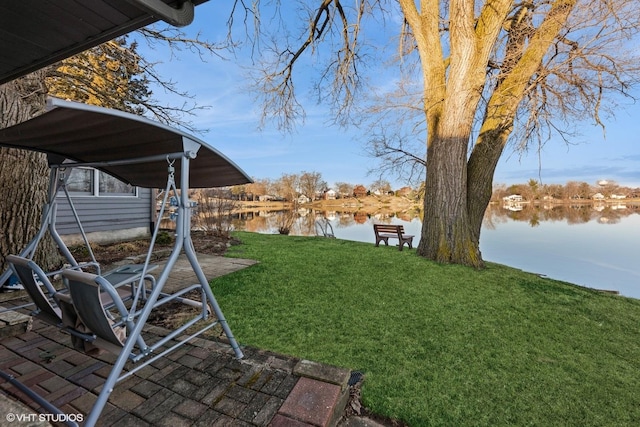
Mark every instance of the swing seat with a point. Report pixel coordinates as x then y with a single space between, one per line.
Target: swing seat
91 295
112 325
47 307
56 307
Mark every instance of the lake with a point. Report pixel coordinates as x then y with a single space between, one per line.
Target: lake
586 244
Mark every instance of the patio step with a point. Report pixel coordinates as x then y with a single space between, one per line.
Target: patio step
318 399
13 323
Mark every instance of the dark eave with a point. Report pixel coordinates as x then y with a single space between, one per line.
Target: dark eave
37 33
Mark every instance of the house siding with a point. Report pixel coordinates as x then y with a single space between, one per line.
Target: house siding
105 218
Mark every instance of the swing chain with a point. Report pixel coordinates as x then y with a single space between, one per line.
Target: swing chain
171 168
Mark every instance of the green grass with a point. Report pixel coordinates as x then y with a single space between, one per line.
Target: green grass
440 344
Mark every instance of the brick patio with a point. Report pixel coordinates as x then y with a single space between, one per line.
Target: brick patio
199 384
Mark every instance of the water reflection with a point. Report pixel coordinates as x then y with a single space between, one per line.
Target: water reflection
303 220
578 213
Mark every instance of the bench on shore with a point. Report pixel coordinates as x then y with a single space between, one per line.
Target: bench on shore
384 232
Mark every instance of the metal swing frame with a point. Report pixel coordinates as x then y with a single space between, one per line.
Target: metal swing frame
183 243
148 299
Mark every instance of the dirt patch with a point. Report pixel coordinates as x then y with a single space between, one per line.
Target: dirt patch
108 254
172 314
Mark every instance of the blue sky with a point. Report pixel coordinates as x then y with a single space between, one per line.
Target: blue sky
233 118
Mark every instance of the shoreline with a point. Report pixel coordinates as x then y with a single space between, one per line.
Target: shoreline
398 203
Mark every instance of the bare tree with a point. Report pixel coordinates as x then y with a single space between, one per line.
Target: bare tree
608 187
311 184
252 191
585 191
491 71
380 186
288 187
344 189
215 208
572 190
286 220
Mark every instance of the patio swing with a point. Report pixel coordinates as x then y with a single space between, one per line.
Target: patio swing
141 153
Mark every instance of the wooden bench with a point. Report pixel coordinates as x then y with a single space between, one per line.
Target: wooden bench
384 232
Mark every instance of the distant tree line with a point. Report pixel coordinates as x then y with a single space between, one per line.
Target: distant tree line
310 186
573 190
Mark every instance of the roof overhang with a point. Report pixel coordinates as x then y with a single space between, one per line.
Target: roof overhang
36 33
132 148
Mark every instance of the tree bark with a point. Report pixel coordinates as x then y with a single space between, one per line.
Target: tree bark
23 175
501 112
446 236
458 187
480 169
451 97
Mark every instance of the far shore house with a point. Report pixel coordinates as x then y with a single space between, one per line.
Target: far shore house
359 191
302 199
512 198
330 195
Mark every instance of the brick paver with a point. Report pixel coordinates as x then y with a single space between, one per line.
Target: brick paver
312 401
200 384
201 387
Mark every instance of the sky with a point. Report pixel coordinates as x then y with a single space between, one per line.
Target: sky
232 124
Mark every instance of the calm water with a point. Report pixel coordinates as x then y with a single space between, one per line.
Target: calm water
586 245
601 256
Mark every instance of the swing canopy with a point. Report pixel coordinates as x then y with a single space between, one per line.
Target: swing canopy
142 153
131 148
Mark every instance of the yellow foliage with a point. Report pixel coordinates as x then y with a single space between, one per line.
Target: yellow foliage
103 76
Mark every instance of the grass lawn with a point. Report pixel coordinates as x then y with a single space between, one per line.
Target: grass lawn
440 344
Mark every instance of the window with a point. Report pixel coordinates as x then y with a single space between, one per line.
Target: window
81 181
110 186
92 182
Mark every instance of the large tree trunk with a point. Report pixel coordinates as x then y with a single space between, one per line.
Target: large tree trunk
452 91
446 233
23 174
458 191
480 169
502 108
